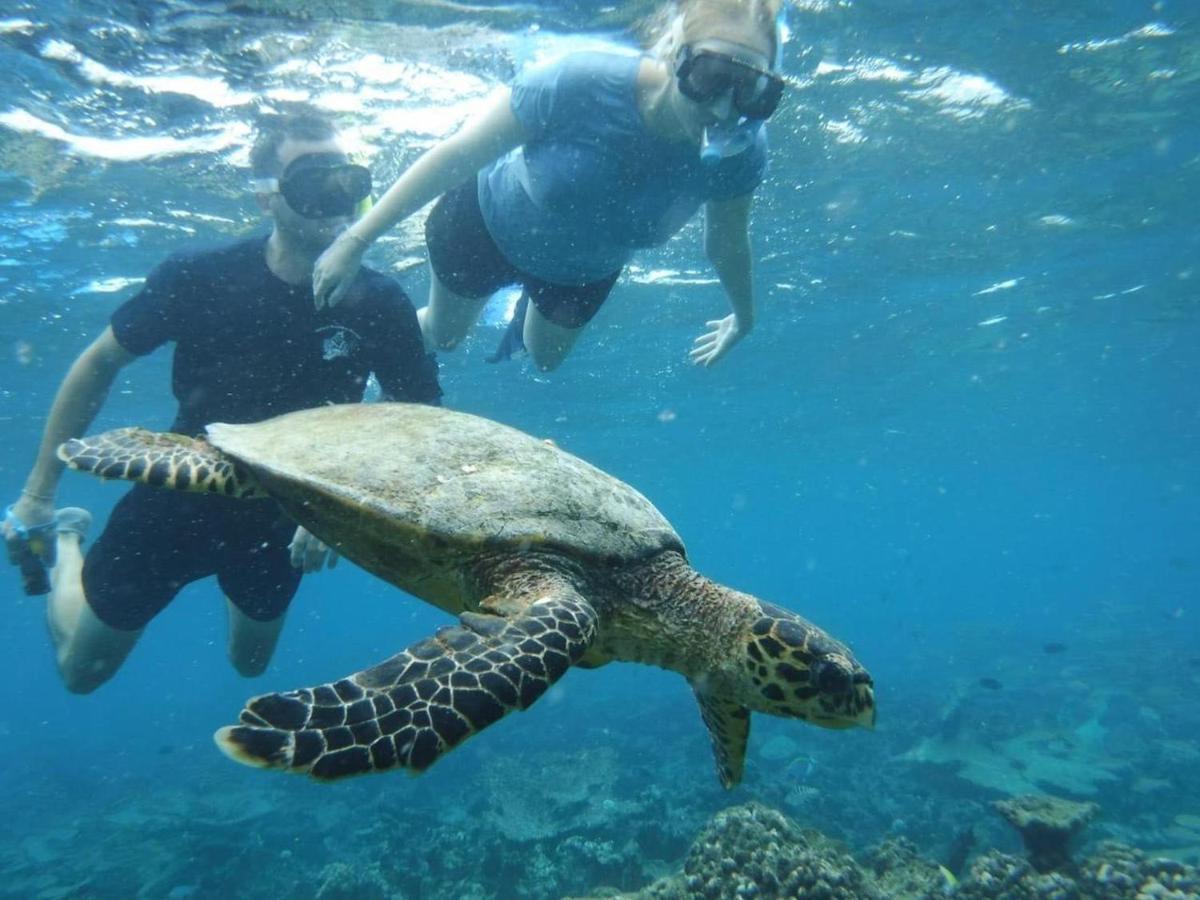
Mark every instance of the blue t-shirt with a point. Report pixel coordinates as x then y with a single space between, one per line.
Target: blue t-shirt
592 184
249 346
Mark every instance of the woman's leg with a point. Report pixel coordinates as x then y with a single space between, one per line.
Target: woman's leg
548 344
557 315
448 317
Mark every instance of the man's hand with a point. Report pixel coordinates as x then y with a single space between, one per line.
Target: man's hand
31 547
310 554
717 341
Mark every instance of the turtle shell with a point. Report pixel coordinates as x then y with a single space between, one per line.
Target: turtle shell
407 486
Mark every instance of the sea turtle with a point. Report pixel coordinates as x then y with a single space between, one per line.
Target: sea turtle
547 561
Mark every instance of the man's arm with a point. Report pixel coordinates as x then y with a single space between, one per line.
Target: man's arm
79 399
727 245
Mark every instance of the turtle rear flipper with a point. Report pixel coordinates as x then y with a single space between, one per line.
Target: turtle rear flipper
409 710
161 459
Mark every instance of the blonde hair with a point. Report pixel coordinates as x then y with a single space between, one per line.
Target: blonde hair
678 22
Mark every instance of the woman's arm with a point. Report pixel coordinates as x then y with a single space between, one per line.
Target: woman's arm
485 137
727 245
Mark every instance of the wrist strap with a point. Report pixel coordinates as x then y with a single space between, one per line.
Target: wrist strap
23 531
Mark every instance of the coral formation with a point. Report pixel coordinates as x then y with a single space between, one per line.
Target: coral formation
898 870
1117 871
345 881
755 851
1113 872
1047 826
998 875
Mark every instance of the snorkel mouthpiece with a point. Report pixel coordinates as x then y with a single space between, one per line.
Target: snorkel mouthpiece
710 151
723 141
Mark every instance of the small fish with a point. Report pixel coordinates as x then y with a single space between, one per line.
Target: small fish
990 683
1054 647
801 767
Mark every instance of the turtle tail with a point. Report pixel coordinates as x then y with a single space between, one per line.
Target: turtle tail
161 459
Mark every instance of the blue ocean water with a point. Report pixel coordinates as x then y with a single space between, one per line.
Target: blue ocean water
964 437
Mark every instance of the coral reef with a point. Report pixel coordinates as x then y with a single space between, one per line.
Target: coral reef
344 881
1113 872
1117 871
1047 826
515 819
755 851
898 870
998 875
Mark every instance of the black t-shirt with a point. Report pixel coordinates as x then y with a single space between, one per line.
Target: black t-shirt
249 346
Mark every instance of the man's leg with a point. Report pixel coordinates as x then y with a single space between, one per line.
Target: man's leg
251 642
88 651
548 344
448 317
259 582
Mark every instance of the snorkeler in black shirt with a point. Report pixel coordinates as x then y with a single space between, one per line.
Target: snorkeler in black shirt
249 344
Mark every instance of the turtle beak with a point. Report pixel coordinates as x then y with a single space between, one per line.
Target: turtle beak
856 709
864 700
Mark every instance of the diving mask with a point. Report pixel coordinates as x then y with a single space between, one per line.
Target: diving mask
705 75
321 185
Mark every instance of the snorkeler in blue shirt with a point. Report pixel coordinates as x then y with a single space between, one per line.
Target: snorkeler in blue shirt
560 179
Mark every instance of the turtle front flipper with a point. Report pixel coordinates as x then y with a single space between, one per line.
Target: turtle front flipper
728 724
161 459
421 703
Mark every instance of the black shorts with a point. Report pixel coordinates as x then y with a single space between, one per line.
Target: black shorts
157 541
468 262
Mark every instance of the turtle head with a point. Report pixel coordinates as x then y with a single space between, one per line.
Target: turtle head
798 671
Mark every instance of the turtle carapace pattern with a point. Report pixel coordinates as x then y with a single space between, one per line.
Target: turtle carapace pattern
546 561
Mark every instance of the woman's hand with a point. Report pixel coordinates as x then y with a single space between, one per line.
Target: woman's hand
309 554
335 269
717 341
